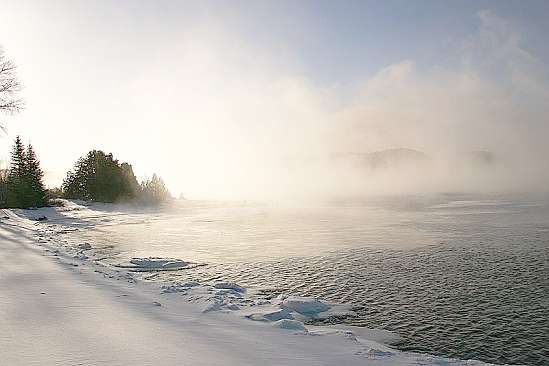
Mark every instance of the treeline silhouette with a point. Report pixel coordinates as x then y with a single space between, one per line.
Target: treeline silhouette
96 177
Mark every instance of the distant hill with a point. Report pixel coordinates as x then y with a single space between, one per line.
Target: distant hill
385 159
481 158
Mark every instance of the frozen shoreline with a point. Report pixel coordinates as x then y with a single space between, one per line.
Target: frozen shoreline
63 306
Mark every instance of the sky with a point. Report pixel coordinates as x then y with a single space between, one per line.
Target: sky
221 98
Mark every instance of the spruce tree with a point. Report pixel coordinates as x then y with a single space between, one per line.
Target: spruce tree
18 187
34 177
24 181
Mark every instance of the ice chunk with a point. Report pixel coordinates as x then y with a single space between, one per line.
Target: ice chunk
271 316
155 264
377 335
232 307
84 246
257 317
178 287
304 305
229 286
336 311
290 324
212 306
278 315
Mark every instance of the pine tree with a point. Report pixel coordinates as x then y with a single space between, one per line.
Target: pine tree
24 181
18 187
17 166
34 177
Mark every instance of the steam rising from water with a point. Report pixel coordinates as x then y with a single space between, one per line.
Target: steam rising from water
248 124
219 114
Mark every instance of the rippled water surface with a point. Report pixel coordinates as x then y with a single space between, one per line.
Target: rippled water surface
466 277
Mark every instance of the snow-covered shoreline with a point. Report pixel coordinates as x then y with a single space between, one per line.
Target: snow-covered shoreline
213 323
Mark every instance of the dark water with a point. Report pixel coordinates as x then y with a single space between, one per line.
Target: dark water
455 276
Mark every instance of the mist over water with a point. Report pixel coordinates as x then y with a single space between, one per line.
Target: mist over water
222 113
480 121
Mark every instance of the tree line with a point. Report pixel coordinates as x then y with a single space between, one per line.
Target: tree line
97 177
100 177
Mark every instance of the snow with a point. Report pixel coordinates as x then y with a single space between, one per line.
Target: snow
62 307
290 324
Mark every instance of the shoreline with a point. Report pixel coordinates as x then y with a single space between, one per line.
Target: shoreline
103 302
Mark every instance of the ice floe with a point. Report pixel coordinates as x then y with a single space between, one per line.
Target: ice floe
271 315
178 287
155 264
229 286
304 305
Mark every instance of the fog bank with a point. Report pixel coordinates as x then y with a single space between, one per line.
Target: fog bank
219 112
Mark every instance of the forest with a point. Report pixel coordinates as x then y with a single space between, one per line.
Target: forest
96 177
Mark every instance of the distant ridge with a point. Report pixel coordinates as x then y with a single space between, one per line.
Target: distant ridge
385 159
482 157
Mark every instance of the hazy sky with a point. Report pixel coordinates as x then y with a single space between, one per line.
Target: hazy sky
217 96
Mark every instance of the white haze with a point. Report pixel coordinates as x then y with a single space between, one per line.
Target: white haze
267 133
219 116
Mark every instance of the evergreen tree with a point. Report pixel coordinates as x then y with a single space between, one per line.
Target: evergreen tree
17 165
4 188
130 181
34 177
99 177
24 180
18 187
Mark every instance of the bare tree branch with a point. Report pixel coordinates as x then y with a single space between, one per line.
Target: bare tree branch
10 102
